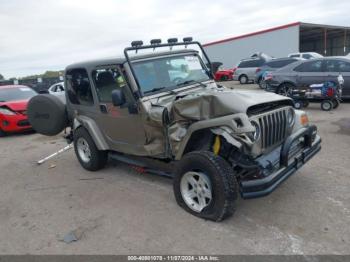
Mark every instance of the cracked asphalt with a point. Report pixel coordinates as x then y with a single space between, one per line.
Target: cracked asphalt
119 211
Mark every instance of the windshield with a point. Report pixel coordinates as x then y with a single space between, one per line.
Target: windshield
169 72
14 94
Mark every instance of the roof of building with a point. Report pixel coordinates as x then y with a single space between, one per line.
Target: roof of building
305 25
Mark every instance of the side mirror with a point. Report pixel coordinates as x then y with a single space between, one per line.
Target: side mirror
118 97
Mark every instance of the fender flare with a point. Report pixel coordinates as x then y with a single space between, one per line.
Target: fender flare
93 130
221 126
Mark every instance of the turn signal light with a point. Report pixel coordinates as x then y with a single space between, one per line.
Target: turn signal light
304 120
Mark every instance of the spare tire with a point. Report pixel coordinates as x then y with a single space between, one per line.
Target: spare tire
47 114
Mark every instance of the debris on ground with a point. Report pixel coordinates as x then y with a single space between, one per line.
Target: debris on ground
81 231
52 166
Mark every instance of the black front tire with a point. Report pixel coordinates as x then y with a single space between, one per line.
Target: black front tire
335 103
98 158
2 133
222 179
262 84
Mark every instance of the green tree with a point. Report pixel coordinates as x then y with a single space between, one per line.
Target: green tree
2 77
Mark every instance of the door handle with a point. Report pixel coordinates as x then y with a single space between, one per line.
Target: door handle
103 108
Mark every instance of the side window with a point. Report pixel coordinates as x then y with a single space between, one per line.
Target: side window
78 87
279 64
313 66
294 56
344 66
243 64
332 65
307 56
106 80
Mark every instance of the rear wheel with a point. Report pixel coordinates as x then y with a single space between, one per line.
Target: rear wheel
335 103
86 151
326 105
205 186
284 89
243 79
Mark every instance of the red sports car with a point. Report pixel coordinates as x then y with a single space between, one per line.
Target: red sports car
224 74
13 108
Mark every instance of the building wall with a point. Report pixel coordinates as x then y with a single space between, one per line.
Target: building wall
277 43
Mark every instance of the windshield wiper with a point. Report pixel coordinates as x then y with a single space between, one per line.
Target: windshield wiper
191 82
158 89
155 89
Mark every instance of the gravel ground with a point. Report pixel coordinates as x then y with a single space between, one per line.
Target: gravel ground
119 211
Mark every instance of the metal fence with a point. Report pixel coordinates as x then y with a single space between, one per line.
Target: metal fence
45 83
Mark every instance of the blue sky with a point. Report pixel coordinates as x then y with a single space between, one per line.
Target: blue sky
40 35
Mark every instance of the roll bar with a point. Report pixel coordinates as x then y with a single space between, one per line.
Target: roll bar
156 43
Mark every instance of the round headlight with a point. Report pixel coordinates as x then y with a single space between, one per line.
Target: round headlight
290 116
256 134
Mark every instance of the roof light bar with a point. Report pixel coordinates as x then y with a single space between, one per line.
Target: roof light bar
136 43
156 41
172 40
187 39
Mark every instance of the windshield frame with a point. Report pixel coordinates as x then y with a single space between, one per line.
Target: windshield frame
176 86
18 90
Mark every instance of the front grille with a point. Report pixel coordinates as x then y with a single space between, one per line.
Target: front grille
273 126
23 123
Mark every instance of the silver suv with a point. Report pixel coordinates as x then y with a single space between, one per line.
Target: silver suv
163 111
247 68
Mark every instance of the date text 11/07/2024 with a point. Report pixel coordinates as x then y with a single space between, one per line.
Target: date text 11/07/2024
173 258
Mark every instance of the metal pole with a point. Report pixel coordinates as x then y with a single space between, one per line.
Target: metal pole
41 161
345 42
325 41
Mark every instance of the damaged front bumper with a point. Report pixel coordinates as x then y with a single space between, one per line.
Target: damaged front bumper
282 162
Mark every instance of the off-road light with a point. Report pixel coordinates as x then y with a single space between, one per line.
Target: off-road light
187 39
156 41
290 116
172 40
257 132
136 43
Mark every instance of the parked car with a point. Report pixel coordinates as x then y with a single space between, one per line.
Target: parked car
214 142
270 66
13 108
224 74
246 69
306 55
306 73
58 90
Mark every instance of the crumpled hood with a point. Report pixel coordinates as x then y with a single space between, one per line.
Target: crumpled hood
203 104
16 106
181 110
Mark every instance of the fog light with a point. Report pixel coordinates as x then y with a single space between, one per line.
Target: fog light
5 123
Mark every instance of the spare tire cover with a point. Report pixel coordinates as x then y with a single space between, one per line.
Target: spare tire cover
47 114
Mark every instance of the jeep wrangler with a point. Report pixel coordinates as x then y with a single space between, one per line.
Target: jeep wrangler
159 108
